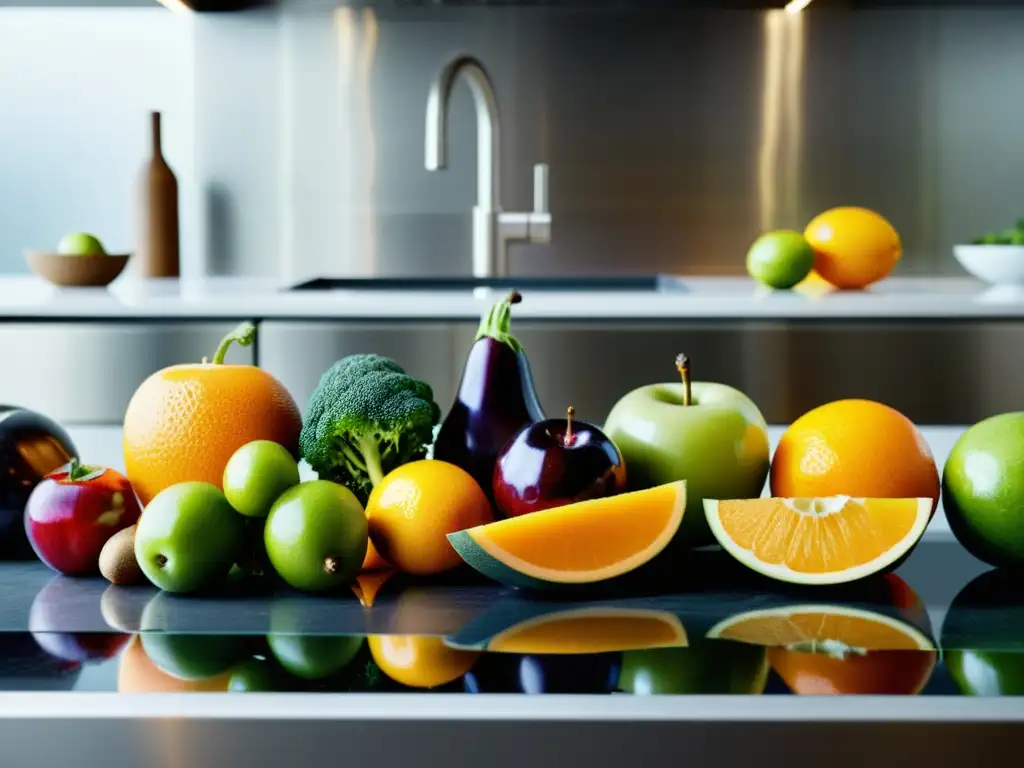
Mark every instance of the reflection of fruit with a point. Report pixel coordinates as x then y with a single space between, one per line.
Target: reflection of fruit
25 666
591 630
710 666
718 444
780 259
188 538
555 462
186 421
831 628
192 657
136 673
413 509
986 673
80 244
31 446
256 474
579 543
986 615
856 448
74 511
316 536
418 661
537 674
853 247
818 541
314 657
901 672
82 647
253 676
983 490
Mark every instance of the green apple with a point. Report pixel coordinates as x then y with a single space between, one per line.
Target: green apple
986 673
80 244
983 490
708 667
188 537
718 444
192 657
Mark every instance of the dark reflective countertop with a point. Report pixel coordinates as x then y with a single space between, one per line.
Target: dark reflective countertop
942 625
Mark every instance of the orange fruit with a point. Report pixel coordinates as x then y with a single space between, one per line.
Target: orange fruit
137 674
866 673
856 448
414 508
419 661
184 422
818 541
853 247
373 561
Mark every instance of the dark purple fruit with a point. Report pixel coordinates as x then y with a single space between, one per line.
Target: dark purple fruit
496 398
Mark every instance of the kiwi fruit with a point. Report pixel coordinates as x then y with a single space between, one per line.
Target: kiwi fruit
117 559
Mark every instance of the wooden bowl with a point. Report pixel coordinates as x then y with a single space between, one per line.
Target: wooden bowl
91 270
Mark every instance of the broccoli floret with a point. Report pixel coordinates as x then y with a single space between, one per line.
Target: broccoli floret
366 417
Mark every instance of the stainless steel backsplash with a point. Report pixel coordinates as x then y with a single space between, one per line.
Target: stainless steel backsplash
673 137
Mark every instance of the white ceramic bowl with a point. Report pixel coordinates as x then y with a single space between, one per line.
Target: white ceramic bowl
995 264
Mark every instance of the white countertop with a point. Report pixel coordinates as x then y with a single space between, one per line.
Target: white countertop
724 298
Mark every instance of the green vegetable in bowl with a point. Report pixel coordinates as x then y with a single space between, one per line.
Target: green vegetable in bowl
365 418
1013 236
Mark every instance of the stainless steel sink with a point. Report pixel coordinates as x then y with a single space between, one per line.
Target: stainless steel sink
651 283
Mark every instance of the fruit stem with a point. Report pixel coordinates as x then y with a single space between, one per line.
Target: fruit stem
497 323
568 425
683 366
244 334
330 564
78 470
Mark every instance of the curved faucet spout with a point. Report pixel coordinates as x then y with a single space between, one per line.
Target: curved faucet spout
487 125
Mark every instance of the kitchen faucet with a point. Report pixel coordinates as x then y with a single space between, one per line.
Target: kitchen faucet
493 228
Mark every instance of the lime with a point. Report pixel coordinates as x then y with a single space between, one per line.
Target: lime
986 673
314 657
191 657
780 259
80 244
316 536
254 675
188 538
983 490
708 666
256 474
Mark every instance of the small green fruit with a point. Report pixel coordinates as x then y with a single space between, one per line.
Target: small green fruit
708 667
188 538
316 536
986 673
983 490
191 657
257 474
253 676
780 259
80 244
314 657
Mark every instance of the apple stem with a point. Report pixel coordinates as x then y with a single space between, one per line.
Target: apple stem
568 425
330 565
78 470
244 334
683 366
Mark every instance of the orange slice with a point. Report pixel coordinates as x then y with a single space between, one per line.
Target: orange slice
580 543
821 628
828 540
592 630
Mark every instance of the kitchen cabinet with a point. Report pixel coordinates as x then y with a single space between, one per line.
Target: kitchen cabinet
85 373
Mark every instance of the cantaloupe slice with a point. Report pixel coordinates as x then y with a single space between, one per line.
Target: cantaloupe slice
818 541
581 543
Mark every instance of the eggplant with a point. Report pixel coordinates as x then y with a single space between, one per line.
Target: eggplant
496 398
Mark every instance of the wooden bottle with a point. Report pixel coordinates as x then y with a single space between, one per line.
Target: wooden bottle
157 205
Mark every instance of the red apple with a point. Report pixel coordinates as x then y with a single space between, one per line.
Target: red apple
556 462
73 511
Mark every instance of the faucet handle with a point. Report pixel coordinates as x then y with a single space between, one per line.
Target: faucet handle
540 188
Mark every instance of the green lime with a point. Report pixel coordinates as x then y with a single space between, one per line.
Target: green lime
986 673
709 666
256 474
314 657
191 657
780 259
316 536
80 244
188 538
983 490
254 675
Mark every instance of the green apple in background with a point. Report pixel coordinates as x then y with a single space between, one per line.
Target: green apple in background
983 489
717 441
80 244
190 538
